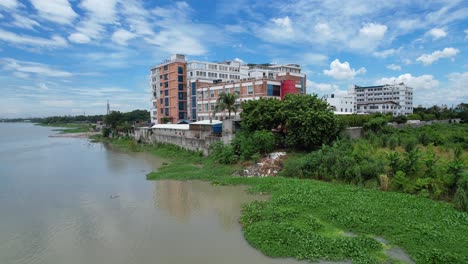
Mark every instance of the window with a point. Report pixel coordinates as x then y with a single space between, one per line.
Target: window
165 67
162 110
182 116
180 78
166 111
212 93
237 90
161 101
166 77
206 107
182 96
181 86
212 106
194 88
181 106
199 107
180 70
250 89
212 67
166 92
166 101
273 90
166 84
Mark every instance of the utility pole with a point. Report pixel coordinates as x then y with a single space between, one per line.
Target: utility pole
108 107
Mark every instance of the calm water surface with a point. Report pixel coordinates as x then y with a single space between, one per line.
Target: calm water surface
56 207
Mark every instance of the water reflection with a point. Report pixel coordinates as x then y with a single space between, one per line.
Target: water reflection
184 200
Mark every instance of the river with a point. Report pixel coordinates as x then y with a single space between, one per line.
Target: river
66 200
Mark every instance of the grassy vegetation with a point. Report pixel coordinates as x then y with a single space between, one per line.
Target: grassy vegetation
307 219
66 128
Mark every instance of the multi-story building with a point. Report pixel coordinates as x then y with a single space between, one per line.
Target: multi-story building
174 91
396 99
342 104
247 89
169 96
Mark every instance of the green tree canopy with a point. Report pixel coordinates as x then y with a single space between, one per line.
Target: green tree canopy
263 114
309 121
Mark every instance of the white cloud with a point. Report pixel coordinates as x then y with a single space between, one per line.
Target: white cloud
122 36
283 24
239 60
58 11
27 67
342 71
9 4
103 10
55 41
385 53
79 38
394 67
24 22
423 82
99 13
369 37
437 33
428 59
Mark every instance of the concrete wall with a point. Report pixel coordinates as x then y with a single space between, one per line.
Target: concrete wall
187 139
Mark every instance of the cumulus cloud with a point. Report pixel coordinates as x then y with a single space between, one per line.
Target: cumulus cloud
423 82
79 38
58 11
13 38
122 36
437 33
342 71
394 67
428 59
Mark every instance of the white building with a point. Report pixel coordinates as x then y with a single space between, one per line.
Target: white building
342 104
396 99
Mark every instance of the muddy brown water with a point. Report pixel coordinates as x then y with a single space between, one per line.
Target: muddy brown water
66 200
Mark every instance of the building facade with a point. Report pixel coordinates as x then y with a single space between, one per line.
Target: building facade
175 82
247 89
396 99
342 104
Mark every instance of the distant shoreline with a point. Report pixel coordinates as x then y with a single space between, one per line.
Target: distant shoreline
75 135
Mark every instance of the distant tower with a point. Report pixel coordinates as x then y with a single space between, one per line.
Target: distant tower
108 107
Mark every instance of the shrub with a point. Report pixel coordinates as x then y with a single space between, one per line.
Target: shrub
376 125
223 153
461 195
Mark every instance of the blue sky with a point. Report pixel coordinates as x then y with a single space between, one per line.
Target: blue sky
70 56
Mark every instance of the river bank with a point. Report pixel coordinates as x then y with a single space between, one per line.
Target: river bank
313 220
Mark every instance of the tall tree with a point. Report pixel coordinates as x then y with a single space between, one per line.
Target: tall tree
226 101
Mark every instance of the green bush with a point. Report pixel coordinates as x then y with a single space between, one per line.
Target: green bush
223 153
461 195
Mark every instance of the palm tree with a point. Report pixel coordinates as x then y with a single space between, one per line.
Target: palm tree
226 101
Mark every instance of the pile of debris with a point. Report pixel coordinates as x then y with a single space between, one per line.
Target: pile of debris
266 167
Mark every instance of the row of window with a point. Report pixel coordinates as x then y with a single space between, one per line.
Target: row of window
208 107
275 89
215 75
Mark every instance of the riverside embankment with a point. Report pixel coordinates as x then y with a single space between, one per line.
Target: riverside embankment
308 219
